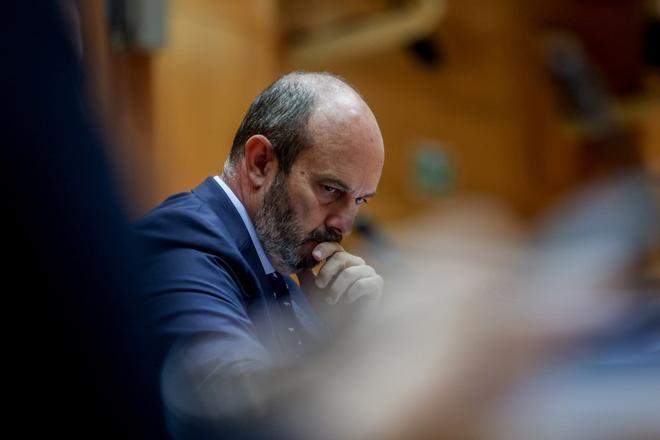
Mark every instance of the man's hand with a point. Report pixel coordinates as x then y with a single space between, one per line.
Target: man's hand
343 277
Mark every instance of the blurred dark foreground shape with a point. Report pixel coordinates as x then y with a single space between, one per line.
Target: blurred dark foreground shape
73 349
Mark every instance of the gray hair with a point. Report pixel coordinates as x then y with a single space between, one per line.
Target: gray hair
281 113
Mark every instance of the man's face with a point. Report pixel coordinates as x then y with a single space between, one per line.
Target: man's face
282 232
318 200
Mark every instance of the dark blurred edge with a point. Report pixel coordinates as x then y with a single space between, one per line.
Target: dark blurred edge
77 360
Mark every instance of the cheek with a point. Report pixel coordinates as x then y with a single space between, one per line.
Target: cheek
310 212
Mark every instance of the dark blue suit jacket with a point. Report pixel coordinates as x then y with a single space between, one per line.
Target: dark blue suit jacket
204 278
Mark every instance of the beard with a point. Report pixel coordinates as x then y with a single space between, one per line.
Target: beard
281 233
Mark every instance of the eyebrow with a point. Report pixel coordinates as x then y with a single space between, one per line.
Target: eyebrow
342 186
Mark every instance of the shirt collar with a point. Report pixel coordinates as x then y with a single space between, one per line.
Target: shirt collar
268 267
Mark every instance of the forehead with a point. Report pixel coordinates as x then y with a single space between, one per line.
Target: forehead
346 141
352 156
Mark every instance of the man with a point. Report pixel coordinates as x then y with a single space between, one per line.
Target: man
225 310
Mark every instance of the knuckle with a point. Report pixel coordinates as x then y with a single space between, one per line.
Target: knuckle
362 283
335 255
328 249
353 271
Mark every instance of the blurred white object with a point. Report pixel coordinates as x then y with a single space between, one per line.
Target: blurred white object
475 319
474 309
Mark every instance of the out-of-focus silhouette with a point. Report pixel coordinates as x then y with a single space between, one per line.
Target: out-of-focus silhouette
73 346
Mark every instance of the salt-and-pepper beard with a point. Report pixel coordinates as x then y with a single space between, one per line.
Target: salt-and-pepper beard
282 235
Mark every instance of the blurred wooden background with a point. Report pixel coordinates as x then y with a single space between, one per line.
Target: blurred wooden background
486 98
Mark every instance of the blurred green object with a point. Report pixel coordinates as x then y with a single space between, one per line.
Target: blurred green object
433 171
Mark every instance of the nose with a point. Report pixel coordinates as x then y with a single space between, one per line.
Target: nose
342 218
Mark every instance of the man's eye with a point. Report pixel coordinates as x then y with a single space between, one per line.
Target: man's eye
330 189
361 200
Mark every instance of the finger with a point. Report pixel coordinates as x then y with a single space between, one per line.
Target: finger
307 279
335 264
372 287
346 279
326 249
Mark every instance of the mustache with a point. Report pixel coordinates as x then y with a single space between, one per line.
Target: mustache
320 236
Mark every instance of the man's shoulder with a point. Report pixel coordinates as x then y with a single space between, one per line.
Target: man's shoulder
182 218
184 237
180 205
175 208
194 234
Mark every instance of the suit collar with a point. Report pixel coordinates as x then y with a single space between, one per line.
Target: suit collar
247 221
221 204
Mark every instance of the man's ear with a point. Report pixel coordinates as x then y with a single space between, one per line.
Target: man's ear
260 160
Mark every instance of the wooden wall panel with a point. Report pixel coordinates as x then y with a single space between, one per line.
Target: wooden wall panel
219 56
174 113
119 90
479 104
